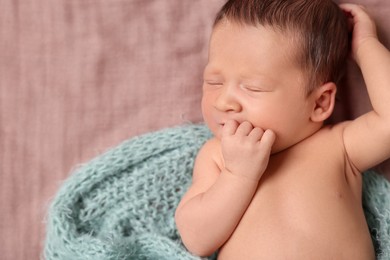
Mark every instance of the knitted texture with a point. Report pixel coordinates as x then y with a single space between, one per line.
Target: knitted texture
121 205
376 204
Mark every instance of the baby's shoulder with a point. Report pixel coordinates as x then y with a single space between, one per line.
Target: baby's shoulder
211 146
211 151
329 139
332 132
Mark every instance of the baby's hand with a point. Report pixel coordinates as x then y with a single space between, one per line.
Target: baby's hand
363 27
246 149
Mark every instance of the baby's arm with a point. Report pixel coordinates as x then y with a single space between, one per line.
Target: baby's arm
217 199
367 139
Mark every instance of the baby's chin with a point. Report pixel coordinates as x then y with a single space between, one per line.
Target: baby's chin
282 145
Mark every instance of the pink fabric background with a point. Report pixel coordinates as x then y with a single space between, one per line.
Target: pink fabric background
78 77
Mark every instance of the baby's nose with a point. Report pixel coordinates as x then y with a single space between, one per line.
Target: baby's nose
227 101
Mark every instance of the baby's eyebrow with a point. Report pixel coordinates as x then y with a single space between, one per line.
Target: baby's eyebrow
210 70
257 77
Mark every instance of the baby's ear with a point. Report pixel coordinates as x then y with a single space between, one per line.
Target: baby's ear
324 98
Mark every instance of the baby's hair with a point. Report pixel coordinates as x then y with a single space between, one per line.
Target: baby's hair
318 27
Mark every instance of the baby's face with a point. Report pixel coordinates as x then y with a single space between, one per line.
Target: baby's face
251 76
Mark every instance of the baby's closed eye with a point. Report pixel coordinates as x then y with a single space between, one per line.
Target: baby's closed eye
254 88
213 83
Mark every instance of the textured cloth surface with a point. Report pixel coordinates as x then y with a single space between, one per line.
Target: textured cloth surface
121 205
376 204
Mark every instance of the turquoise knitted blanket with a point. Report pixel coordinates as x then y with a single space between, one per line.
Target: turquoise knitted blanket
121 205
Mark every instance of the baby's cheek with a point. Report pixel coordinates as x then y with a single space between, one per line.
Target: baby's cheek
211 124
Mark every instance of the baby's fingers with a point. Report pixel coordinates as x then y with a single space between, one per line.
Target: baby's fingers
244 129
267 140
352 9
363 27
256 134
362 23
229 128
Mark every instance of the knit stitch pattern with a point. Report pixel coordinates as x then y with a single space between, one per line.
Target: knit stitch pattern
121 204
376 204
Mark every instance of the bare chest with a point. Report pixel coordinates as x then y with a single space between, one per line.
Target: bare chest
306 207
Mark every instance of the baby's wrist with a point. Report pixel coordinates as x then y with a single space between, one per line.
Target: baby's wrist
236 176
365 47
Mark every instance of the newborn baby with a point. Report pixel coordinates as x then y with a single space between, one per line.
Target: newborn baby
275 182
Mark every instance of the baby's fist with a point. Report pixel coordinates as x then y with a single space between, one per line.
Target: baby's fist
246 149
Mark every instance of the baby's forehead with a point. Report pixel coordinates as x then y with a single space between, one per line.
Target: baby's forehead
254 50
288 35
288 40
